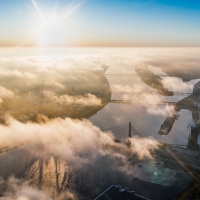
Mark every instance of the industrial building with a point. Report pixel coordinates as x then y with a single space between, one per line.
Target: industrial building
193 138
119 193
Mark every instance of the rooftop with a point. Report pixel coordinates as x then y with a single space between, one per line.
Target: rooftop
119 193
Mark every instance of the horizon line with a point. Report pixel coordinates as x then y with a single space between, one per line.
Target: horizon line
95 46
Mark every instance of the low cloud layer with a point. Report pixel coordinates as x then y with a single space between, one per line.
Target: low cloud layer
68 139
88 100
177 85
150 101
54 84
79 143
14 189
59 82
144 99
16 74
62 79
119 88
144 147
5 94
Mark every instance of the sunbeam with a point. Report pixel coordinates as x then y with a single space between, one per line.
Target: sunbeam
49 29
40 15
72 8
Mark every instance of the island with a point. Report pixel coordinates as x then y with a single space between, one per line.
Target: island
152 80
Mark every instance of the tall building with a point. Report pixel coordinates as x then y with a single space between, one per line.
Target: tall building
193 138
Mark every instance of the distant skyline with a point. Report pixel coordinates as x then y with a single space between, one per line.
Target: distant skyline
104 23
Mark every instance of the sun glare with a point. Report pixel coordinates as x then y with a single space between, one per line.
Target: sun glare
49 32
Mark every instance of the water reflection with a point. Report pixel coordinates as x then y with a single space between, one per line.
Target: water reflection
146 119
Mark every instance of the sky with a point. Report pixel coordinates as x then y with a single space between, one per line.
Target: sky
104 23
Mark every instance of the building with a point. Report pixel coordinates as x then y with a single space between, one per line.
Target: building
193 137
119 193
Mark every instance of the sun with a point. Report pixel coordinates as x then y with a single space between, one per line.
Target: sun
50 25
49 32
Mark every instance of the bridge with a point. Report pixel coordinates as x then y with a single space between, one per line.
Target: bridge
132 102
123 132
156 92
182 93
121 74
132 74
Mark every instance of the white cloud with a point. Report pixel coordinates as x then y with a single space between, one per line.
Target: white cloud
54 84
150 101
5 93
119 88
88 100
143 147
16 74
176 85
78 142
67 139
15 189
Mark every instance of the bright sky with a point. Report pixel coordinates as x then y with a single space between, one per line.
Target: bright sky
100 22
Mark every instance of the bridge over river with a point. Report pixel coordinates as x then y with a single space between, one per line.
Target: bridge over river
132 74
132 102
123 132
155 92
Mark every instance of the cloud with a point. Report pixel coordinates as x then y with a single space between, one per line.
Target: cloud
150 101
54 84
15 189
144 99
155 110
63 67
88 100
66 138
16 74
119 88
5 94
73 77
80 144
143 147
177 85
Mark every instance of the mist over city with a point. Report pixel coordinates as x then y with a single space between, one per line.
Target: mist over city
99 100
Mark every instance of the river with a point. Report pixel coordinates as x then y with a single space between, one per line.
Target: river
147 119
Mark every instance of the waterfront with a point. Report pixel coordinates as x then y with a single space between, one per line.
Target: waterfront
145 114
